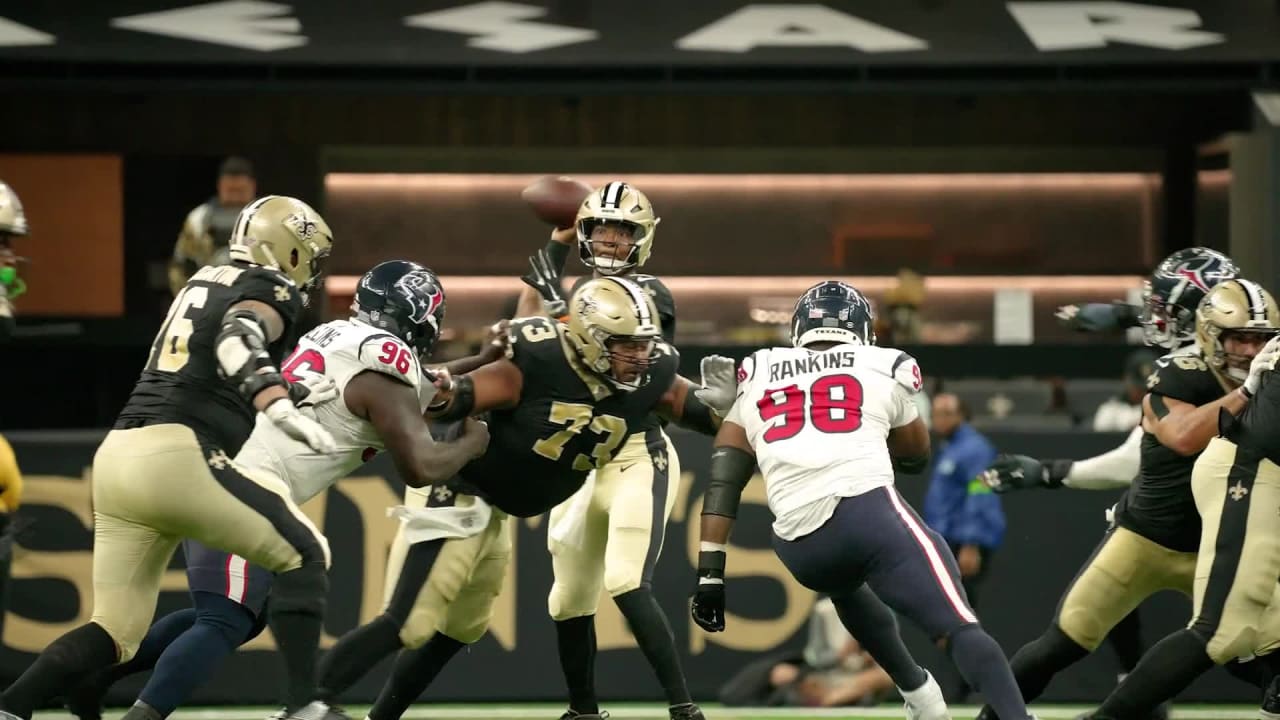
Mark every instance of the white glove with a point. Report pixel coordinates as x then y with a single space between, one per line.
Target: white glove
1263 362
315 389
284 415
719 383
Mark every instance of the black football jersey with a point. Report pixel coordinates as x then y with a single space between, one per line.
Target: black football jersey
568 422
181 383
1259 425
1159 505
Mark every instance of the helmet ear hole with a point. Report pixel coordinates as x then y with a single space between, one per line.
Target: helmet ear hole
293 257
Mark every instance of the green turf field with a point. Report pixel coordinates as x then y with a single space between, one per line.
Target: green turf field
655 712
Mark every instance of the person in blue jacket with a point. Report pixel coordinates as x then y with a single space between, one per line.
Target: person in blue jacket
960 507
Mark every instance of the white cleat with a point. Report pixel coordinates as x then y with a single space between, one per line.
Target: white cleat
926 702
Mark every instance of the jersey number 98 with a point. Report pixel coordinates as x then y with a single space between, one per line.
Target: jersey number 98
832 404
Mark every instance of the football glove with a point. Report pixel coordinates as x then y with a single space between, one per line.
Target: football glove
708 598
1263 362
314 390
1019 472
285 415
719 383
1098 317
543 277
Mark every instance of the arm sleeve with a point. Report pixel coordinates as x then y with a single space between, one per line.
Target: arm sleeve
1113 469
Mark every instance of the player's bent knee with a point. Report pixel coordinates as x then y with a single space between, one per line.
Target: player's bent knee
565 602
1229 644
302 590
1082 627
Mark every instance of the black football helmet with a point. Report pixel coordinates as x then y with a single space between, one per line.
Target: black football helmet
832 311
405 299
1174 291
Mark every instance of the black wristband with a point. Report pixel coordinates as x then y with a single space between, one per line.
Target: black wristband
1056 472
711 563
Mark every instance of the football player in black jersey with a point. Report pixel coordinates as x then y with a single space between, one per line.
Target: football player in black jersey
1170 296
164 474
1153 543
558 406
1235 488
609 535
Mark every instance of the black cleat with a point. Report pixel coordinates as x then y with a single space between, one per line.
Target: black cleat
688 711
572 714
1271 701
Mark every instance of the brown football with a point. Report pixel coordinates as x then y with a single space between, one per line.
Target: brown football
556 199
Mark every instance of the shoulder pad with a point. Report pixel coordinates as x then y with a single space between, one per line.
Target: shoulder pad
747 367
1176 368
906 372
388 354
526 332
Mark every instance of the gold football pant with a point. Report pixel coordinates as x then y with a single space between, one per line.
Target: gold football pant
452 592
1236 608
609 535
154 486
1123 571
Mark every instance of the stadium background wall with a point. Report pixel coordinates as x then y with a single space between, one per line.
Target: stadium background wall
1048 536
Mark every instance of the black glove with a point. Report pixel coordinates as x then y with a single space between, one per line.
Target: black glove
1098 317
1019 472
708 599
542 276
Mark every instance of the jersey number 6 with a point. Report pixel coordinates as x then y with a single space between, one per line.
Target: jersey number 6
833 405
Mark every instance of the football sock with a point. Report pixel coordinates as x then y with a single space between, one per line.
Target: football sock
296 615
1167 668
412 673
656 641
355 654
576 642
981 661
221 626
64 664
167 629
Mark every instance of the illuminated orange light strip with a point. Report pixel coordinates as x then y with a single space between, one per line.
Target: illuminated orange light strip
710 284
727 182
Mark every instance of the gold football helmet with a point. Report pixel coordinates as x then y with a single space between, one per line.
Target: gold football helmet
622 207
614 328
12 220
1235 307
283 233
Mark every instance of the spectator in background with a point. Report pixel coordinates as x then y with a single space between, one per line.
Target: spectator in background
960 506
831 671
1123 412
13 223
206 233
901 324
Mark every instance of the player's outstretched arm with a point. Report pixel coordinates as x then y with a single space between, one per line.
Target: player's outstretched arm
732 465
909 446
495 386
392 408
241 350
682 406
1185 428
1113 469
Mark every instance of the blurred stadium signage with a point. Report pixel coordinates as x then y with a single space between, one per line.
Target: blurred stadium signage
613 33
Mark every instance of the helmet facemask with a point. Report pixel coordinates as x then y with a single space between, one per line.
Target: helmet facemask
1163 324
616 233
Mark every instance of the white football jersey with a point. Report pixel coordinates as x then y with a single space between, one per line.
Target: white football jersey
340 349
818 420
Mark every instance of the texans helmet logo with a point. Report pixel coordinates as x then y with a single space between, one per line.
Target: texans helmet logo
1196 272
423 303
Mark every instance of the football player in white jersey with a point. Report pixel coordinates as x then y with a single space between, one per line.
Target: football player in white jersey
828 421
368 390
